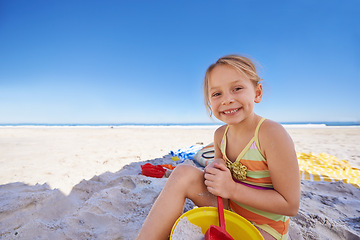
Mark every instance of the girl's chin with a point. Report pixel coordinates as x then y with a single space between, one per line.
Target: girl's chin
230 120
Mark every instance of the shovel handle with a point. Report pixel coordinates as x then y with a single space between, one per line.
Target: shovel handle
221 213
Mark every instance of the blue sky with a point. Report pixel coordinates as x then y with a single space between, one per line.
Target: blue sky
144 61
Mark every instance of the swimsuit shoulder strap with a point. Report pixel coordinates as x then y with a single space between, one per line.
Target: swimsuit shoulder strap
257 132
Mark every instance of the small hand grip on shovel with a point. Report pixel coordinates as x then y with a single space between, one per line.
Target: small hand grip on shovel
215 232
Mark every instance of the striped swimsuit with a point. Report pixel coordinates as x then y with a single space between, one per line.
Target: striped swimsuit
250 168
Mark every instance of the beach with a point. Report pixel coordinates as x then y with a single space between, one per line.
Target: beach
86 183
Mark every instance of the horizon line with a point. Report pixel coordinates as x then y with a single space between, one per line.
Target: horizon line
326 123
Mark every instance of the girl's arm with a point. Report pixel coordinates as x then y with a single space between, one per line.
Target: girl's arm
216 174
278 148
217 141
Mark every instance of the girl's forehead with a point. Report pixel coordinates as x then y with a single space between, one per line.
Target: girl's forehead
223 74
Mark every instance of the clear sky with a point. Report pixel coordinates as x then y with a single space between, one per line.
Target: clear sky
103 61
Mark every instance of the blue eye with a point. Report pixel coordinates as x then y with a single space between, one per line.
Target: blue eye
215 94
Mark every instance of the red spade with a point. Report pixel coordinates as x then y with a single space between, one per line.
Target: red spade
215 232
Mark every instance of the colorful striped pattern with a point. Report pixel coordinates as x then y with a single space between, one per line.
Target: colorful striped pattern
257 168
276 225
257 175
324 167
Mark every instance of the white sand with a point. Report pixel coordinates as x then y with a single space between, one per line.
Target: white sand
185 230
113 200
62 157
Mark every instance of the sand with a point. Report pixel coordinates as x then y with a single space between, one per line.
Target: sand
185 230
85 182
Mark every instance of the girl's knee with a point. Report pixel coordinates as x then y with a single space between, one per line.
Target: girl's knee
184 168
186 174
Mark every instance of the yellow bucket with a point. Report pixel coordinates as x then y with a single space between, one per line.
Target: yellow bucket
237 226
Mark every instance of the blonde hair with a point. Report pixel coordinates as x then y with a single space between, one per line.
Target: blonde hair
240 63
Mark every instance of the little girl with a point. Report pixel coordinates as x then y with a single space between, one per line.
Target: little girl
255 168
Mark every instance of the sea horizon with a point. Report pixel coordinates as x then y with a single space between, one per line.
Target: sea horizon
290 124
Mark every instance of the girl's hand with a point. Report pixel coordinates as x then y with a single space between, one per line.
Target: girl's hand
218 179
216 160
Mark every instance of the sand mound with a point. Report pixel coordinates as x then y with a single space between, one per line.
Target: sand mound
114 206
327 211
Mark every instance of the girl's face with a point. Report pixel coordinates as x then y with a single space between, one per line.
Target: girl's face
232 94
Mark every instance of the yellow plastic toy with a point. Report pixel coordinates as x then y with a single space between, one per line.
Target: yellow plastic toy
237 226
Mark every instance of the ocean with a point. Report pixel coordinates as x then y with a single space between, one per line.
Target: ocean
287 124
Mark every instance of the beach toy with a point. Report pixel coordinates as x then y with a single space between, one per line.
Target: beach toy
157 171
185 153
218 232
168 166
237 226
150 170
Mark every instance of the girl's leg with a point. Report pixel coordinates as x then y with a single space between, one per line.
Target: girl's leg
185 182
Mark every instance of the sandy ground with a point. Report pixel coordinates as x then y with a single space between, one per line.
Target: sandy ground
84 183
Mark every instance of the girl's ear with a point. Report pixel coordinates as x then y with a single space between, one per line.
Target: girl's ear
258 93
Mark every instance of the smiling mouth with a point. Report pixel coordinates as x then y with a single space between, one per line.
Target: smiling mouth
232 111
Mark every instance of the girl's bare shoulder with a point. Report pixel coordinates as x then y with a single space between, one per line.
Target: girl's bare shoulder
274 141
270 125
221 130
271 131
219 133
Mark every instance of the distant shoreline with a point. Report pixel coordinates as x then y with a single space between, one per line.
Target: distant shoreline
176 125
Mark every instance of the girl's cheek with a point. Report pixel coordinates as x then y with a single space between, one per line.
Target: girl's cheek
213 102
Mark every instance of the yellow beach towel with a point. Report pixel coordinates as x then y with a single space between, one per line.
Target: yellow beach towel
324 167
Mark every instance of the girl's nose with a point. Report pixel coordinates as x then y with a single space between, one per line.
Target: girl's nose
227 100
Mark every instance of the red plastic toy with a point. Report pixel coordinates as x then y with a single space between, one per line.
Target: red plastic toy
157 171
